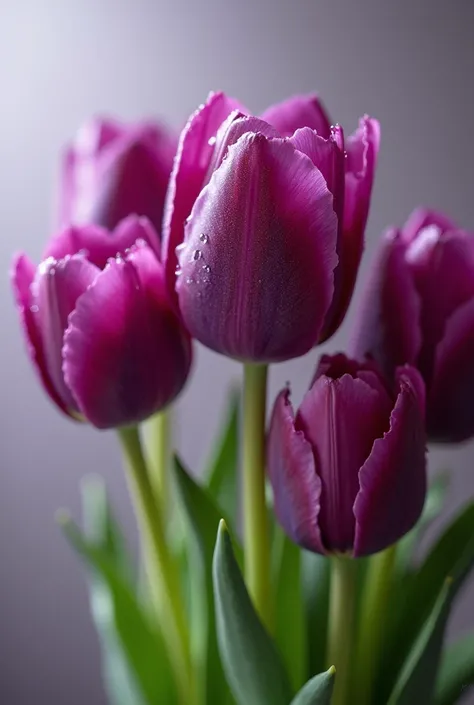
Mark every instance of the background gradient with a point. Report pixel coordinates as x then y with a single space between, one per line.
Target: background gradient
409 63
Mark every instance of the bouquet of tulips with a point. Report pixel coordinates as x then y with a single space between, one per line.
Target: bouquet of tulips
246 235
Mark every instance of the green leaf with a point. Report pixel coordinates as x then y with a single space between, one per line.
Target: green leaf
251 661
452 555
290 631
317 691
222 472
418 675
137 664
456 672
203 516
316 579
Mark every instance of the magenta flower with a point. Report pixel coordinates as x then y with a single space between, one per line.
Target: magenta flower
268 225
111 171
419 309
348 472
99 324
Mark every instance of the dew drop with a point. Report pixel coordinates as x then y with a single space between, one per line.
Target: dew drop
180 248
206 268
204 238
178 271
197 254
189 280
34 308
212 141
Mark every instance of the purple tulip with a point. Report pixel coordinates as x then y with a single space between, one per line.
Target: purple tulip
419 309
268 225
99 324
348 471
111 171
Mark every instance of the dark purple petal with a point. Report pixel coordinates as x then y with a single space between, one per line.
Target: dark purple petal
55 290
195 151
292 472
393 478
125 354
442 267
335 366
23 273
296 112
341 418
388 326
451 395
259 254
361 159
422 218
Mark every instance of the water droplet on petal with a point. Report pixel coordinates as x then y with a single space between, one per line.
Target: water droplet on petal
212 141
206 268
34 308
189 280
204 238
197 254
178 271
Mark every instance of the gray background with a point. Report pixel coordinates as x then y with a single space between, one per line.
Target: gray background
410 63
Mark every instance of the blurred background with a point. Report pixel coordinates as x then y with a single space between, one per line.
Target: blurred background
409 63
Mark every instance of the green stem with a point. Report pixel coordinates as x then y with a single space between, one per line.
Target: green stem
161 568
341 625
373 613
256 530
158 441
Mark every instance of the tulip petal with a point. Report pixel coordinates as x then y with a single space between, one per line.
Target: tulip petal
99 244
393 478
340 418
450 402
22 278
335 366
422 218
259 254
56 288
390 296
292 472
191 164
296 112
125 355
231 131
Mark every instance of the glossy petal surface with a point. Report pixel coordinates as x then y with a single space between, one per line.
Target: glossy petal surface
292 472
125 355
393 479
296 112
259 254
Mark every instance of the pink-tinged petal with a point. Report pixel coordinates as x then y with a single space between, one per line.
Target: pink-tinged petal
191 164
393 478
231 131
23 273
340 418
55 290
435 257
450 408
95 135
259 253
99 244
388 324
422 218
292 472
296 112
125 354
362 150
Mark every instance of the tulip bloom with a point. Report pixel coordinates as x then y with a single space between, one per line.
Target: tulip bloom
111 171
419 309
99 325
348 471
268 226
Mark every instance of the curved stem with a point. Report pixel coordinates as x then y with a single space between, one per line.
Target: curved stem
256 530
375 598
161 568
341 624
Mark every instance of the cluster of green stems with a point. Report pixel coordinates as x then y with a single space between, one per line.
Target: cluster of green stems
351 648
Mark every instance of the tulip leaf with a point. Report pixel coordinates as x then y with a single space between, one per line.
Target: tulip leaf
317 691
452 555
222 472
254 669
456 673
290 632
203 516
417 677
316 579
136 665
